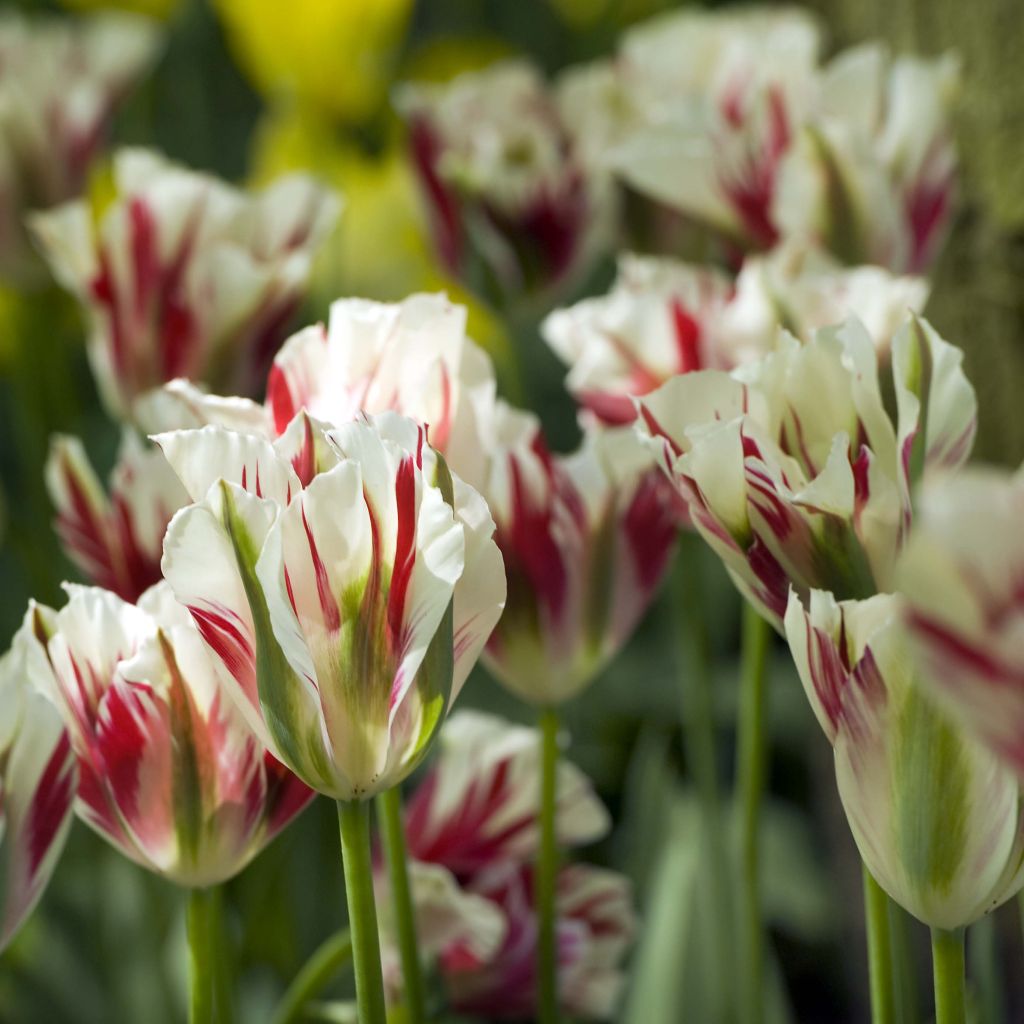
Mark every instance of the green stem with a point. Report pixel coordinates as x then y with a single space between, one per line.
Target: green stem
949 976
314 976
354 822
906 999
389 814
547 872
211 989
750 780
876 913
700 733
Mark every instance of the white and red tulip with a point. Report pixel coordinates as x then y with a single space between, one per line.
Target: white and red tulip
60 81
184 276
793 470
961 575
320 569
936 816
115 537
586 540
168 771
38 780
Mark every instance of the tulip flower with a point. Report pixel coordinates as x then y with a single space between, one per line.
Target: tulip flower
38 779
959 574
511 207
586 540
60 82
169 773
184 276
115 537
793 470
872 177
936 816
663 318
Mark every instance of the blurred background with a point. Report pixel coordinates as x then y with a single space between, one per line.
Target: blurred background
248 89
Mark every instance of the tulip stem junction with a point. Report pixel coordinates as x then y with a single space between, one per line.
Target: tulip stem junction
547 872
316 973
700 730
876 914
949 974
354 821
210 1001
751 757
389 814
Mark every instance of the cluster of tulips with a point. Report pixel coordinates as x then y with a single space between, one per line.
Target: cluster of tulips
285 597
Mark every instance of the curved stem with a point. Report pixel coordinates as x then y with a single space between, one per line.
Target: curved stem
547 873
210 999
314 976
389 815
876 913
354 822
949 975
700 735
750 776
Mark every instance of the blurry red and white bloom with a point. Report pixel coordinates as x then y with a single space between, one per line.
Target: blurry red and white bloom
961 574
478 805
594 927
60 81
38 779
586 540
936 816
115 536
512 208
721 97
346 583
184 276
168 771
662 318
872 178
792 468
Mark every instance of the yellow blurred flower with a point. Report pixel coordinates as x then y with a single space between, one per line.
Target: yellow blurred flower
162 9
336 55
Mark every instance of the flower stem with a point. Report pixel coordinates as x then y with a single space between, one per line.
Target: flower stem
750 779
389 814
210 1001
547 872
354 821
700 735
876 912
311 980
949 975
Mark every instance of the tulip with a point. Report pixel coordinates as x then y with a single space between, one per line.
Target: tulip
60 82
38 779
512 210
169 773
793 470
115 538
183 275
935 815
959 575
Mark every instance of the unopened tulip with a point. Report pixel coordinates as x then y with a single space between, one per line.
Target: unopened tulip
936 816
38 779
184 276
169 772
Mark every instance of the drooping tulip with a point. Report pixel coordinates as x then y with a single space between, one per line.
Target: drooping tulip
115 537
38 779
936 816
792 469
320 570
60 82
169 773
961 577
586 540
184 276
